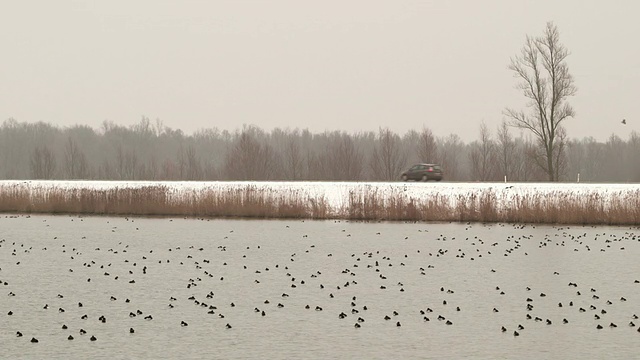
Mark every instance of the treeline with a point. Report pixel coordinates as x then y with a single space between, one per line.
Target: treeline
149 150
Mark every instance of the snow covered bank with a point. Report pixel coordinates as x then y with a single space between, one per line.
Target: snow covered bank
531 202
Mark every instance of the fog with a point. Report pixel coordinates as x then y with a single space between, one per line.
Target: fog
352 66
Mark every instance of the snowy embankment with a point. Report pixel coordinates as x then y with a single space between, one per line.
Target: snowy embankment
544 202
337 194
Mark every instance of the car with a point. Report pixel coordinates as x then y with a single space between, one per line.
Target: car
423 172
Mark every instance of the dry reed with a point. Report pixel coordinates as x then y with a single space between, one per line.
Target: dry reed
364 203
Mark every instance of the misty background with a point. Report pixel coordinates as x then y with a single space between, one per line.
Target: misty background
206 90
150 150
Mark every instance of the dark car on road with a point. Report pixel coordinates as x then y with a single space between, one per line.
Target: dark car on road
423 172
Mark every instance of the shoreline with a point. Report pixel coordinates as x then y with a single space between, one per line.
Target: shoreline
536 203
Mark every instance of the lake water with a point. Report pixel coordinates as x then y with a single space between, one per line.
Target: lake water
208 274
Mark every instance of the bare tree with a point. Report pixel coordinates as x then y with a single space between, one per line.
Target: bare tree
43 163
483 156
451 150
506 148
248 159
559 154
427 147
346 160
76 166
293 161
547 84
120 162
194 170
387 158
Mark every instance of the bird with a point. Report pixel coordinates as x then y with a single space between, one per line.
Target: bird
624 121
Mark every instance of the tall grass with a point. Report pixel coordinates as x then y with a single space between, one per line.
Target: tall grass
363 203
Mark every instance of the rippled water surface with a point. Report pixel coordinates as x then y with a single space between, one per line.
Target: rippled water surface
193 277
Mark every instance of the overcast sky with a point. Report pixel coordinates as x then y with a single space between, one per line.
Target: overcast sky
322 65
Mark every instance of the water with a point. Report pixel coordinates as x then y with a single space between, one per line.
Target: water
42 257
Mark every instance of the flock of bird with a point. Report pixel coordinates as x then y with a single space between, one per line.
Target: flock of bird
249 280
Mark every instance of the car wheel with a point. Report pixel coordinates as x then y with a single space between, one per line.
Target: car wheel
438 179
425 178
405 178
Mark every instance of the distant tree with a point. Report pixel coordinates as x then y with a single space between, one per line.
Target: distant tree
483 156
634 153
346 162
427 147
43 163
546 82
293 160
76 166
506 148
387 158
193 169
450 157
248 159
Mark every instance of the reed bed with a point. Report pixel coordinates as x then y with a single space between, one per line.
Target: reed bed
361 203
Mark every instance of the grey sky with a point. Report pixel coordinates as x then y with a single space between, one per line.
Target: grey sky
324 65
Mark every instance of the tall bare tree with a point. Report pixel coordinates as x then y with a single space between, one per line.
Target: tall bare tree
387 158
546 82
